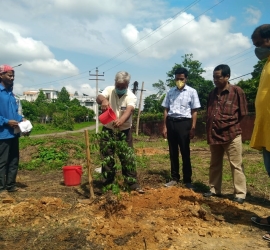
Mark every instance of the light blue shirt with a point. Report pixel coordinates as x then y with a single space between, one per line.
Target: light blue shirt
181 102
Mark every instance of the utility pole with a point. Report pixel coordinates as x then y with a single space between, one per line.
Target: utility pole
139 110
97 75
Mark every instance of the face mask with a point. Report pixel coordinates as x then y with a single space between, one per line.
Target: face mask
262 53
120 91
179 84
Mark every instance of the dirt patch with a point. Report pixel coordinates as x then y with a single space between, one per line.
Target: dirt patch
49 216
151 151
162 218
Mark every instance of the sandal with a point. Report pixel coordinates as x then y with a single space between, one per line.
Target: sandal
16 189
267 236
139 190
257 220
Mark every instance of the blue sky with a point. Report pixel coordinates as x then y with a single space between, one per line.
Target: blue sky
59 41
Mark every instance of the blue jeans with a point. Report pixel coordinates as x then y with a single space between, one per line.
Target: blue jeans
266 159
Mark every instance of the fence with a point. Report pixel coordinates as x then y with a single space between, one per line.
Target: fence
154 128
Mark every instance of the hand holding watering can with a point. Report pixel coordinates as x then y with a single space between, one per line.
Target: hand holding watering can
108 115
105 105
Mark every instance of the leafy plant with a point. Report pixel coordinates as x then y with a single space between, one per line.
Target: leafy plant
48 154
62 121
116 143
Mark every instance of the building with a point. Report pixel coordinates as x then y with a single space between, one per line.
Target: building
31 95
51 94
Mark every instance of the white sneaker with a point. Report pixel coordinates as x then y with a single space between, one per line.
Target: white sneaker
170 184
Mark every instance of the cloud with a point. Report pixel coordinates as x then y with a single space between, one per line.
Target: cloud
203 38
34 55
92 8
15 47
84 26
53 38
84 88
253 15
51 67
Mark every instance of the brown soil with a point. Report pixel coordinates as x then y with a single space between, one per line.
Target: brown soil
49 216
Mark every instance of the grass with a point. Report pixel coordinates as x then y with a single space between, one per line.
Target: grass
82 125
47 128
37 153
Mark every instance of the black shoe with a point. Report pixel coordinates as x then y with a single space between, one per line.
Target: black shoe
209 194
239 200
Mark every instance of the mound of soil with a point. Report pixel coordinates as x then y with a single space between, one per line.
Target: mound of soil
49 216
162 218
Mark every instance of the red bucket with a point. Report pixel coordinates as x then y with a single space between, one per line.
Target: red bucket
72 175
107 116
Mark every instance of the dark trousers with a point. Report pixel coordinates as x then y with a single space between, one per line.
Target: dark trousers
178 136
128 164
9 163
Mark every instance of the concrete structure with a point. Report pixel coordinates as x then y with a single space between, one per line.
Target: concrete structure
32 95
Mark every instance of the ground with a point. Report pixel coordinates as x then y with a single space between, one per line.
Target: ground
49 216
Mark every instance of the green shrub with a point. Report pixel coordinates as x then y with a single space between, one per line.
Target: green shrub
62 121
50 154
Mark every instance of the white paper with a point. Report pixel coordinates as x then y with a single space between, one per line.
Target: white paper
25 126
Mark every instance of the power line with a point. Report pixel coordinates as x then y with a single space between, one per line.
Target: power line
240 76
239 56
151 33
129 47
58 80
228 59
165 36
243 60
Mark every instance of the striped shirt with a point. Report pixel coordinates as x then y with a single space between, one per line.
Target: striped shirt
224 113
181 102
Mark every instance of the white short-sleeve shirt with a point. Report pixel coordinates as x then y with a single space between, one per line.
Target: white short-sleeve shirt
119 105
181 102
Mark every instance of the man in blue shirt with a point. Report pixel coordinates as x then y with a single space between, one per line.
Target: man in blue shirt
180 116
9 140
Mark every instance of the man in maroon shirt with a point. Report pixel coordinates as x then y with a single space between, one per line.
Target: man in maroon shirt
226 106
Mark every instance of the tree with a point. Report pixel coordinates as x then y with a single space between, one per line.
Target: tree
195 80
160 86
30 110
152 104
256 74
78 113
41 98
75 102
250 86
63 97
194 70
